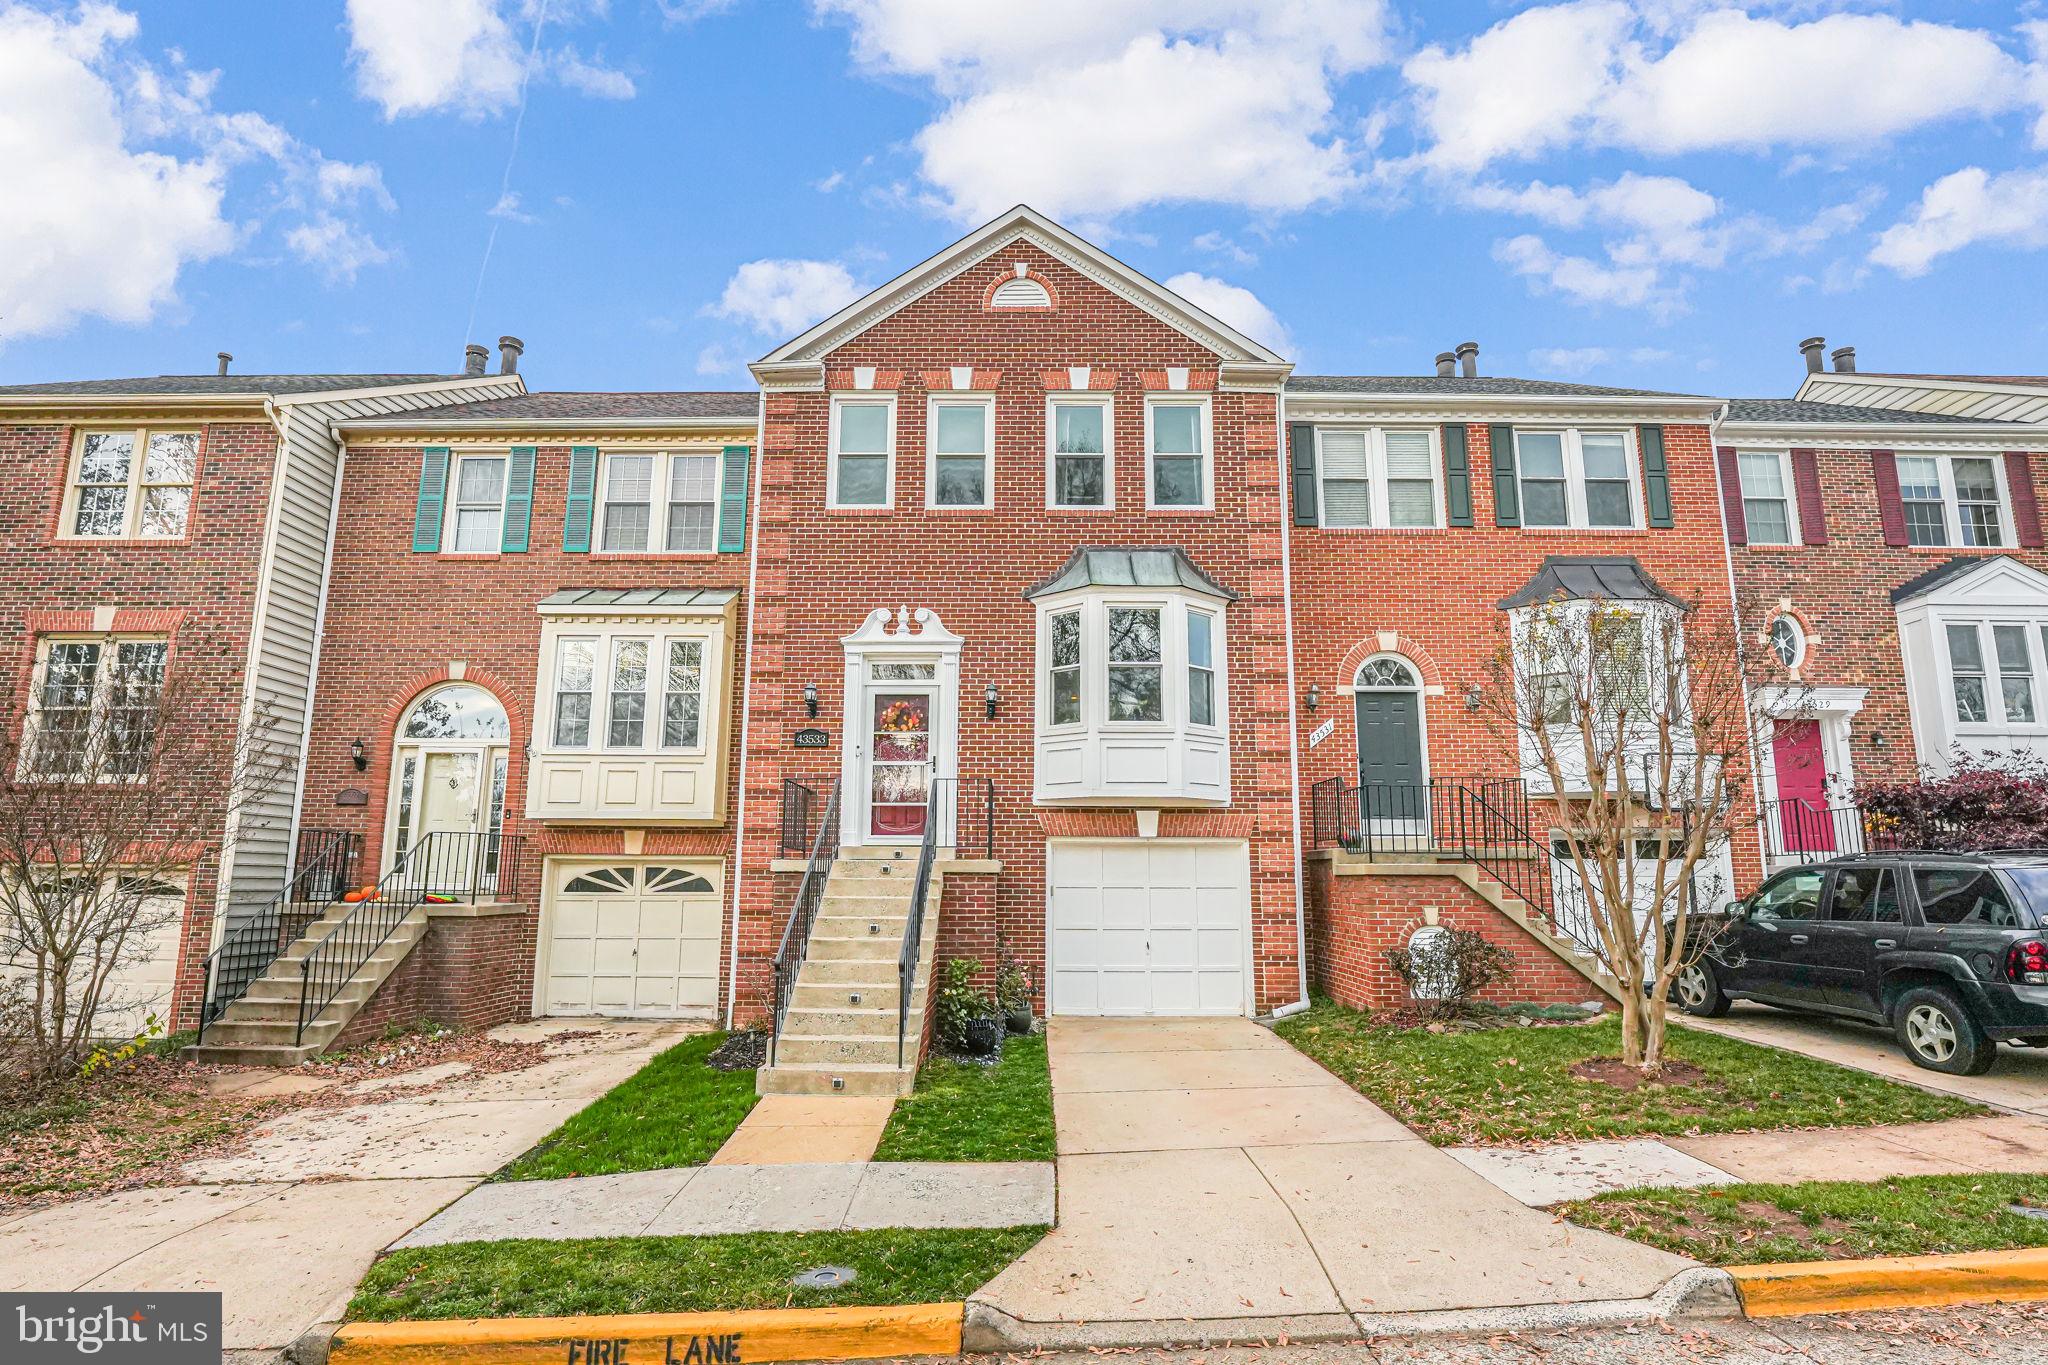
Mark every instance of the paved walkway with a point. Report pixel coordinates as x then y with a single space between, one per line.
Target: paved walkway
806 1129
786 1197
285 1229
1211 1174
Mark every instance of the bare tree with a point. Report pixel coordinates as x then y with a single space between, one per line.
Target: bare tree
1635 715
115 788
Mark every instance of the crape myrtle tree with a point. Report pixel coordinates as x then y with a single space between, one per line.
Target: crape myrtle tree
1634 716
116 784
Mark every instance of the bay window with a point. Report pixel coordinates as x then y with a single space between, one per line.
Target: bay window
1201 668
1135 659
1377 477
1063 655
1574 478
575 676
1077 438
1994 671
1177 467
863 453
1952 499
962 434
131 482
627 710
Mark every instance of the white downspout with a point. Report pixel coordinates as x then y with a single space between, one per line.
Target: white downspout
1293 691
739 830
1756 769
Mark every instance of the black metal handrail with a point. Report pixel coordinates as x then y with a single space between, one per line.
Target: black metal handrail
938 813
799 810
796 934
446 866
323 873
1798 827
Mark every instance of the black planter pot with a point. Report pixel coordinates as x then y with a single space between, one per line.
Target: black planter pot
983 1036
1019 1016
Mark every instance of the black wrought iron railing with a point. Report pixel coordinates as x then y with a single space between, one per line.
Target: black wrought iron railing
443 867
799 817
938 811
1801 828
796 934
324 869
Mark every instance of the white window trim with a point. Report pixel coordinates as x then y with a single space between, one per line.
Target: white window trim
1074 398
884 400
658 499
1094 606
1377 481
706 632
1208 455
1046 724
1951 505
98 709
1794 533
131 522
452 512
1575 479
987 403
1798 660
1995 722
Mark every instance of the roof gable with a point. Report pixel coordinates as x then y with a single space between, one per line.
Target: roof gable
1976 580
1021 224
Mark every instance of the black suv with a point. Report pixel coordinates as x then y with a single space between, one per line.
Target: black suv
1949 950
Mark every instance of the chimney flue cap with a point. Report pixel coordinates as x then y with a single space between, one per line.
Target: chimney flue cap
1446 364
1844 358
475 359
509 349
224 357
1468 358
1811 349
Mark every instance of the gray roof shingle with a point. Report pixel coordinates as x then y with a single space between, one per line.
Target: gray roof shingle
1941 573
1119 566
596 407
1794 410
220 385
1605 578
1451 386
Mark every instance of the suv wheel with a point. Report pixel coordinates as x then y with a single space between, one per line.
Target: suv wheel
1698 991
1939 1034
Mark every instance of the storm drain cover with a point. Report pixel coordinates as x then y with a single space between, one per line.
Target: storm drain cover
824 1277
2029 1211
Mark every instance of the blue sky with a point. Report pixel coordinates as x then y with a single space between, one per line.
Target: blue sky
1666 194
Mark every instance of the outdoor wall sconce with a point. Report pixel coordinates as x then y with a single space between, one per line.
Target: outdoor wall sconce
1474 697
357 752
1877 741
991 695
811 700
1314 697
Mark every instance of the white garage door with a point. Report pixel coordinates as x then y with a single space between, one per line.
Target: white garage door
1139 927
148 970
637 939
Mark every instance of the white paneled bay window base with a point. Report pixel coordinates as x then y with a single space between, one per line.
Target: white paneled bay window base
1148 927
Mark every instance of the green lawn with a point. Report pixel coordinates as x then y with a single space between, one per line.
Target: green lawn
1514 1084
682 1274
675 1111
1826 1220
964 1112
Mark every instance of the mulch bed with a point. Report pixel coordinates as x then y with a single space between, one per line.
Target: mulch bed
1619 1074
746 1050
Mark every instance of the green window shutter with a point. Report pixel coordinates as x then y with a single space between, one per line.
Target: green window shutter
1656 479
732 501
429 511
1457 476
1507 494
518 499
1301 442
582 494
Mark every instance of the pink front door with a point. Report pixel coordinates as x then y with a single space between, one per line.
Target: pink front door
899 764
1803 820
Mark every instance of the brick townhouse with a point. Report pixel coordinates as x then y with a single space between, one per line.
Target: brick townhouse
1886 541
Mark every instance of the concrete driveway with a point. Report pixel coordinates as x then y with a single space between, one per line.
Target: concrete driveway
2018 1082
285 1229
1210 1173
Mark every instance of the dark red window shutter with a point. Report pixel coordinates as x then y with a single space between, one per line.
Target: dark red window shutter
1891 512
1813 519
2026 508
1731 496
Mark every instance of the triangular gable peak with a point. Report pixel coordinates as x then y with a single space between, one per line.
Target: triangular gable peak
1997 580
790 361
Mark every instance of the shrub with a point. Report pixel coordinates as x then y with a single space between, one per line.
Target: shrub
960 1002
1977 805
1448 967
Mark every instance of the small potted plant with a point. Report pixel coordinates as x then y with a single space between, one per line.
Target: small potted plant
1013 993
967 1020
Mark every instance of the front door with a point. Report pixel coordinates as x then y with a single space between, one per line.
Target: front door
1390 776
899 763
1804 825
451 798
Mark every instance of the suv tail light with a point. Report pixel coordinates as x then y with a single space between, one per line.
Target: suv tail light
2026 964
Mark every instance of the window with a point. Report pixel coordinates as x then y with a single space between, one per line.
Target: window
2010 696
575 675
1767 507
1788 641
1964 895
1201 668
682 700
628 503
1951 499
115 494
479 509
1966 674
627 711
2015 673
1063 653
658 675
863 452
1377 477
1077 440
1576 478
1621 665
1177 462
957 473
1135 661
661 502
1793 896
691 515
1865 895
94 708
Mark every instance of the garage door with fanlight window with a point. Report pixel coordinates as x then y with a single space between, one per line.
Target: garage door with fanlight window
1138 927
631 938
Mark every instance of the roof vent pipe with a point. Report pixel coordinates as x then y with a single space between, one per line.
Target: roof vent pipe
1468 359
508 354
1811 349
475 359
1446 364
223 357
1844 358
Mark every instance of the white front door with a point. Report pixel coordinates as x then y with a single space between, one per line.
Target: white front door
898 748
1139 927
633 938
451 795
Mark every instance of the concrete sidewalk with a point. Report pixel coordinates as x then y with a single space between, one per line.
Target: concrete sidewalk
1216 1183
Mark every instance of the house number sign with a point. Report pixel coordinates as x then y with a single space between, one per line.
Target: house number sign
813 738
1322 732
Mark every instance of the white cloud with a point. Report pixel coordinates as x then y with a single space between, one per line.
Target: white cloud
1217 244
592 77
1573 361
1963 209
1236 305
1628 284
784 298
338 248
452 54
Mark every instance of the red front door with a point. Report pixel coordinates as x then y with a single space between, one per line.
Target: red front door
899 764
1803 820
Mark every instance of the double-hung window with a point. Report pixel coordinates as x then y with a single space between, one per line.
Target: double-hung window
478 513
607 686
1077 438
1377 477
1177 468
863 452
1063 658
962 433
626 707
131 483
95 708
1574 478
1769 514
575 677
1136 662
1201 667
1994 674
682 702
659 502
1951 500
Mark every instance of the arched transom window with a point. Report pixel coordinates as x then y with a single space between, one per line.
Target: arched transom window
1386 673
459 711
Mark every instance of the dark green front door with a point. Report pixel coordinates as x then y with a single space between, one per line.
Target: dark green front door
1390 756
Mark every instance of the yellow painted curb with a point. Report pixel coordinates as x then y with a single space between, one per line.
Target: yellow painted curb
1777 1291
659 1338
